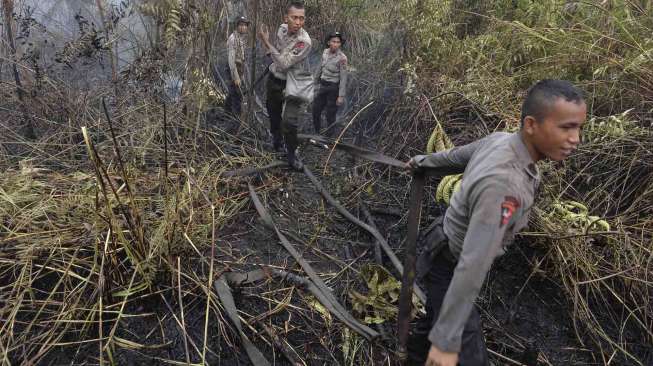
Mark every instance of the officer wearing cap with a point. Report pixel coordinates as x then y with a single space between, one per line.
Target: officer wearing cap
236 45
292 47
332 80
500 178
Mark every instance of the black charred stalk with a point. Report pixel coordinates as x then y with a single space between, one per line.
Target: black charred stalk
250 92
8 7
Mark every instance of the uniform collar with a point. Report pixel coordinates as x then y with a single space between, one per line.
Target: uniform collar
524 156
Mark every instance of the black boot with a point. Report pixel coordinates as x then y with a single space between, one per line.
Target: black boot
277 146
293 160
316 125
277 143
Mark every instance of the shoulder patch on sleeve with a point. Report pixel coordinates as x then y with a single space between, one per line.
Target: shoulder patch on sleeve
298 48
508 208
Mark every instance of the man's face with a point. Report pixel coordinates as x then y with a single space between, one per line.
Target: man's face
242 28
295 19
334 44
558 134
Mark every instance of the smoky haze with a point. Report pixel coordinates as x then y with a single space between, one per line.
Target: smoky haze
58 23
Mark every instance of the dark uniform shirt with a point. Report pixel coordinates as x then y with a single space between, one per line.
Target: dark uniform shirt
497 192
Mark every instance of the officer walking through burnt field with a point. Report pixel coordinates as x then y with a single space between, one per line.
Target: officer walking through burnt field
332 80
292 47
500 178
236 45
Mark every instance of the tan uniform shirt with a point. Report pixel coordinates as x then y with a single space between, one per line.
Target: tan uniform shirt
334 70
497 192
236 54
288 50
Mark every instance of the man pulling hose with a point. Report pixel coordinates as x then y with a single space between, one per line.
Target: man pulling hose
500 178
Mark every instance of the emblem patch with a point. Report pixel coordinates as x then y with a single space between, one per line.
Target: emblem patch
299 46
508 208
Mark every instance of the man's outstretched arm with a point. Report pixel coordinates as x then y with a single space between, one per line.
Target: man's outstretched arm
452 161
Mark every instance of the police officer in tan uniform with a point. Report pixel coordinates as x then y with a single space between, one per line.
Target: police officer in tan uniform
500 178
236 45
292 47
332 80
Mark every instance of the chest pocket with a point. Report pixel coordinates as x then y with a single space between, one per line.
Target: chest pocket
332 66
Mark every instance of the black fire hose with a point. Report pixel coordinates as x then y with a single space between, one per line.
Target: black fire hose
410 254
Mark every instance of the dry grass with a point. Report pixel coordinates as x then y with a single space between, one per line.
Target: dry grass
102 230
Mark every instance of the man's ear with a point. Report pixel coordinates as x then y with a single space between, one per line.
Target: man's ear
529 125
285 18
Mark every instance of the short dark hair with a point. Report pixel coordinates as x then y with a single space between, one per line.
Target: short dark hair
295 4
543 94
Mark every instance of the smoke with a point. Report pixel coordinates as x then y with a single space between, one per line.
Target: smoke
57 24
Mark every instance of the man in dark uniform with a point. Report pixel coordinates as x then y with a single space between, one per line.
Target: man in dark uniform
292 47
332 80
500 178
236 59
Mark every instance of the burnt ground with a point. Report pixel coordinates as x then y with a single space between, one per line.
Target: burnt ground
524 312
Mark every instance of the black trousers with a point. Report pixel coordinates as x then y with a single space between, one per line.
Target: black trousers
284 113
234 101
325 98
436 282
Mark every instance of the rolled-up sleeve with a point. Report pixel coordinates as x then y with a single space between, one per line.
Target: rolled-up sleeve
494 206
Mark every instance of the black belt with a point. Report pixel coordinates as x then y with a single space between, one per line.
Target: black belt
276 80
328 83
